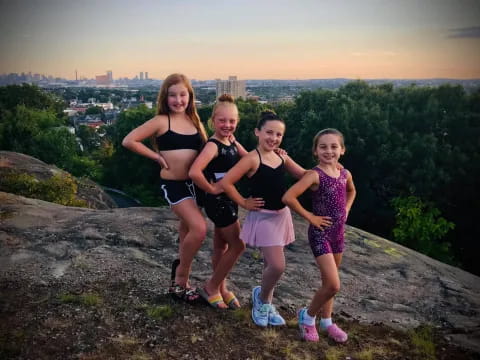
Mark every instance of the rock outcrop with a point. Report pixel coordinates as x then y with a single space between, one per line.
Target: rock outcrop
12 162
43 243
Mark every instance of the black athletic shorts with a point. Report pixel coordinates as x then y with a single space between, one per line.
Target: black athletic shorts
175 191
221 209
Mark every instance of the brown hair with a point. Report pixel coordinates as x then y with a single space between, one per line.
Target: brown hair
191 111
222 100
326 132
267 115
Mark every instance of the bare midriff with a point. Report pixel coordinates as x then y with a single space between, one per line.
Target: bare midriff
179 162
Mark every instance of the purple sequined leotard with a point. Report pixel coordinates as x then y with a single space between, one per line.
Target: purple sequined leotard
329 200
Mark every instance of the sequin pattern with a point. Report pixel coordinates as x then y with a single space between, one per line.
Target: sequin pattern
329 200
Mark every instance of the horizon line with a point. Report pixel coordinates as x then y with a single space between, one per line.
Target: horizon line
270 79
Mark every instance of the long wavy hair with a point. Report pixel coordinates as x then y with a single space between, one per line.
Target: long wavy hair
191 111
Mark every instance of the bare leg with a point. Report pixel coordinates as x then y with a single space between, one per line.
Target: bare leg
182 230
327 309
225 261
193 225
220 246
330 284
274 266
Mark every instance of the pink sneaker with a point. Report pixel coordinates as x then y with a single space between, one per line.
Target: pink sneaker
337 334
307 332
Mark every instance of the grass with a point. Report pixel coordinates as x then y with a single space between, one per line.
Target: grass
155 327
256 254
334 353
423 342
292 323
160 312
371 353
68 298
90 299
293 350
242 315
271 337
87 299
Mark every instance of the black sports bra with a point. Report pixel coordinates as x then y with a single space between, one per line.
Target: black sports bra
171 140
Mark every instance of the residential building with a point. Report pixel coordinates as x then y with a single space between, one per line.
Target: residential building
232 86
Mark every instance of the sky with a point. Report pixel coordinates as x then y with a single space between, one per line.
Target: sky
252 39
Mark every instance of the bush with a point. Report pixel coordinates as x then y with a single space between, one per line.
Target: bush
60 189
419 225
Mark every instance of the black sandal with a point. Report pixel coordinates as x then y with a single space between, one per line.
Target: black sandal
180 292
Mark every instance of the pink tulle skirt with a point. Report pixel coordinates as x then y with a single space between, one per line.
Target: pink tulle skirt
268 228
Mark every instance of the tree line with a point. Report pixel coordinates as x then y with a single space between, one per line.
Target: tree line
413 152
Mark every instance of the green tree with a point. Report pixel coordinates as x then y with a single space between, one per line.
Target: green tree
419 226
94 110
128 171
55 146
249 112
89 138
20 126
29 96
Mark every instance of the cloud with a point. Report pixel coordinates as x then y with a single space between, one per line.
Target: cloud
467 32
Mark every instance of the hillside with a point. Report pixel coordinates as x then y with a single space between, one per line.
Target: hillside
90 284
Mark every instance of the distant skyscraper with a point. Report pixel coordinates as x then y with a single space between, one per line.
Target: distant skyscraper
141 75
232 86
106 79
146 75
102 80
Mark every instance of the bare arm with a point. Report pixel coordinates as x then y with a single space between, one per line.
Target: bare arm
133 141
243 167
209 152
293 168
351 193
241 150
290 198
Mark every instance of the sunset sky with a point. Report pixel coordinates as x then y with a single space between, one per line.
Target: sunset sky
281 39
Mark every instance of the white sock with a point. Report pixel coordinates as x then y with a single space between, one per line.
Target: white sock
325 323
307 319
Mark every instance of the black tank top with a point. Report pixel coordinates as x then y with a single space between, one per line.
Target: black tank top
227 157
269 184
171 140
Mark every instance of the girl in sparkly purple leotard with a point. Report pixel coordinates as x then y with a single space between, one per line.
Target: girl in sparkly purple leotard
332 198
329 200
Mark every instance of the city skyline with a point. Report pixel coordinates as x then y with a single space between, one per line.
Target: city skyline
370 39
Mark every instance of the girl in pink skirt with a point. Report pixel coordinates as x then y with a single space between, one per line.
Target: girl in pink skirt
268 224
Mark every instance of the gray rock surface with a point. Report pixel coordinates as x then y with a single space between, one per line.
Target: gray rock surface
42 243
